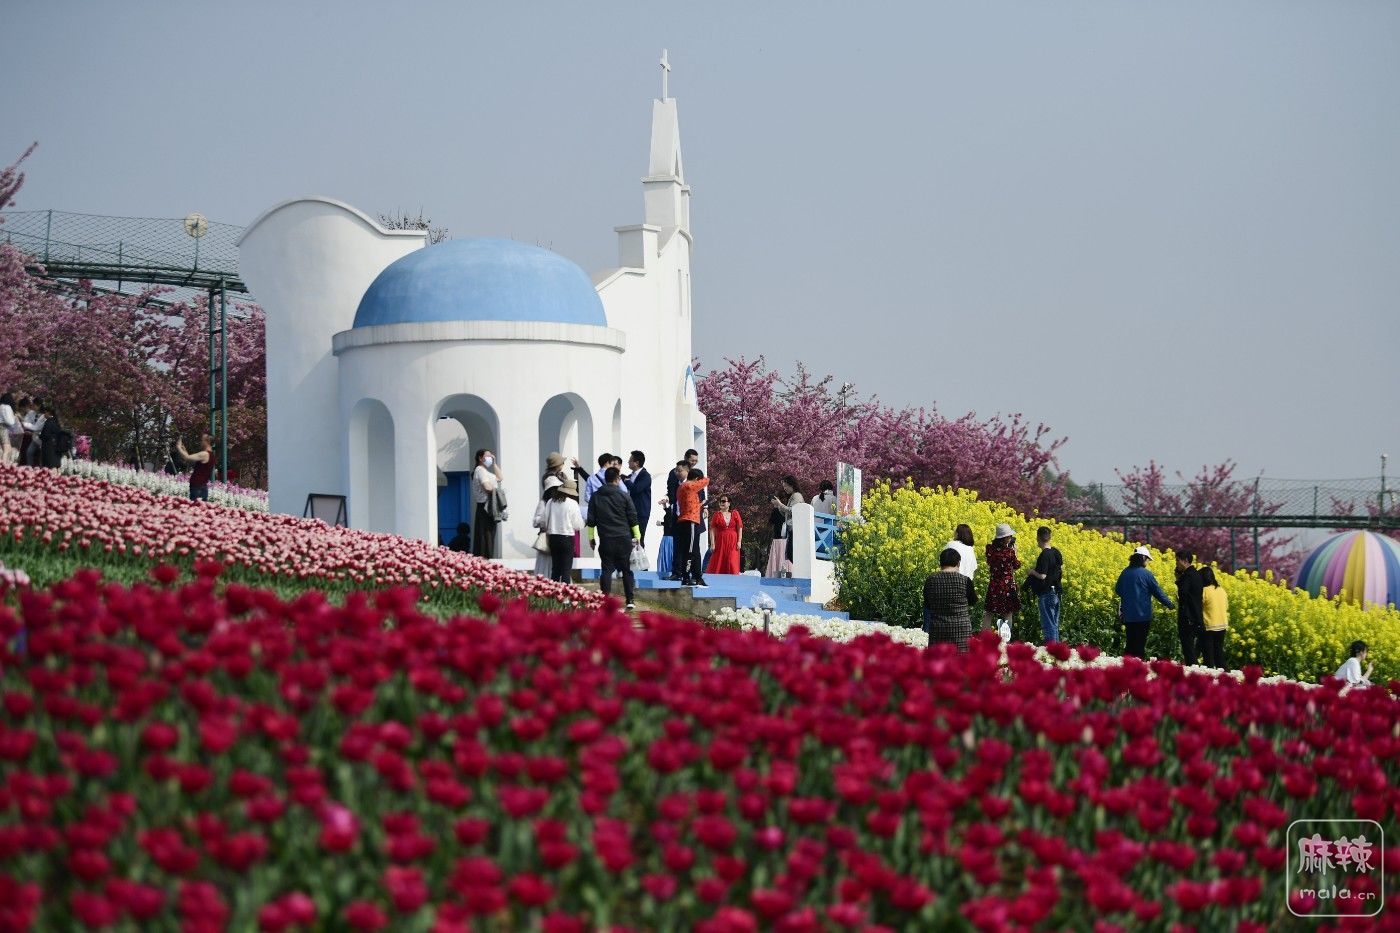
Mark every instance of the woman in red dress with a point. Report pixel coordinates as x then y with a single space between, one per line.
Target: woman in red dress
1003 601
726 538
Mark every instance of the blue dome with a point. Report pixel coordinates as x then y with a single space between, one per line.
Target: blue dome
483 279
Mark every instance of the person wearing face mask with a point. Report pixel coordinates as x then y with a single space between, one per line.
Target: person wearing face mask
486 478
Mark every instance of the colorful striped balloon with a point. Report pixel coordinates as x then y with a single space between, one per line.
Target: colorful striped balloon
1362 567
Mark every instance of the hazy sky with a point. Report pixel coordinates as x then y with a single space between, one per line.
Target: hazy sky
1167 230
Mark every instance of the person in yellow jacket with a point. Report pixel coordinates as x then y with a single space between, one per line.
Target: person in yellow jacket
1215 612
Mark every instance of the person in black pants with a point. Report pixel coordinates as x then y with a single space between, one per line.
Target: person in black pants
485 478
562 519
1215 611
691 494
52 449
680 542
1044 582
612 513
1190 620
638 483
1136 588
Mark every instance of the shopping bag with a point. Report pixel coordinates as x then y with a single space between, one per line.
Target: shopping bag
640 561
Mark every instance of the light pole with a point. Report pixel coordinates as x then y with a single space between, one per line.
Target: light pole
196 226
1380 499
765 604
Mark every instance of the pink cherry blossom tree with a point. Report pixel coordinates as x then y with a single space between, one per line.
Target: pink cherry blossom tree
1372 508
128 369
763 426
1213 490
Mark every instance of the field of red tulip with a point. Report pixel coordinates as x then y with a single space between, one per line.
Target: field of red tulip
44 514
209 756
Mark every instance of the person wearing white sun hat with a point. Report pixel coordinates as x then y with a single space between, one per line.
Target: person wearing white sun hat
1003 601
558 518
1136 588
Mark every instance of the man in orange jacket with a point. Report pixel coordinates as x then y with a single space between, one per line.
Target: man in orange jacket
688 525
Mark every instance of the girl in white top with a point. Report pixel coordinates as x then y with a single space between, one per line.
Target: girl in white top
1350 671
485 478
559 517
963 543
11 429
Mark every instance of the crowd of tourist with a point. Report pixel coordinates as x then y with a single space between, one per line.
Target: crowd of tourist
612 509
949 595
30 432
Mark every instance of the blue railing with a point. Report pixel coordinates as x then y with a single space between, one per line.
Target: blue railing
828 533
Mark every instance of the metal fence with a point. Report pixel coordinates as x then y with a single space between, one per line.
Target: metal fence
200 257
119 249
1363 502
827 531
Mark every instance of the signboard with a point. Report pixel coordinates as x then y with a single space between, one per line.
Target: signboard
328 508
847 490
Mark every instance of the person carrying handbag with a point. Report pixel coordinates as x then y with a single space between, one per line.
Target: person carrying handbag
558 517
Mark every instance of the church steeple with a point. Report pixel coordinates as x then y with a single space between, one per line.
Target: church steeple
667 195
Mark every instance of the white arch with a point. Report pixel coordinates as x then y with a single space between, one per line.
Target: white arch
477 417
483 432
372 474
617 431
566 425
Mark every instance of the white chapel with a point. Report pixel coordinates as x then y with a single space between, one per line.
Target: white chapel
391 361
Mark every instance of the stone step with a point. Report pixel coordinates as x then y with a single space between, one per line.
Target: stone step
723 592
735 584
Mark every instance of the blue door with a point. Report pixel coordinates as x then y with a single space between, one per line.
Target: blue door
454 505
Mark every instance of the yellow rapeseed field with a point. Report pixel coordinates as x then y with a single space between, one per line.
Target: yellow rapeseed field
886 557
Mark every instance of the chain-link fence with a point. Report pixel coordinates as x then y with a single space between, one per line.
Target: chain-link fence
150 249
1272 502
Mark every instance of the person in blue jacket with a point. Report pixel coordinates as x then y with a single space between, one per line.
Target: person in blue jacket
1136 588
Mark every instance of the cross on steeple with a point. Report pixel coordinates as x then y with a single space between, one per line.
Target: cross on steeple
665 73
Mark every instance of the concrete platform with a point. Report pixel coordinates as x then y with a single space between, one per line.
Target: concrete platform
726 592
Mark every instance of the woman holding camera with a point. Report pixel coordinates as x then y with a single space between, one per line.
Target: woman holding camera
791 496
